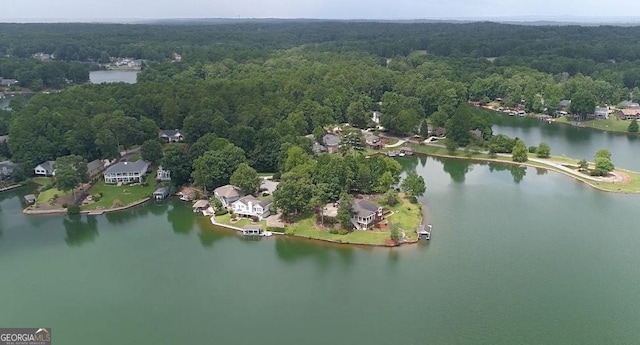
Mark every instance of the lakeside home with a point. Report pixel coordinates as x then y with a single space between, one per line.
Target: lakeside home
251 207
45 169
227 194
171 135
365 214
126 172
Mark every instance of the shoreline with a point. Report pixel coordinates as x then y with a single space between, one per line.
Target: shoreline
382 245
62 211
536 163
10 187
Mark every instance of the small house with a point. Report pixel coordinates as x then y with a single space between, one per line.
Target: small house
317 148
331 142
8 82
630 105
440 132
161 193
95 167
30 199
4 138
365 214
564 105
45 169
628 114
201 205
601 113
171 135
228 194
373 141
375 117
163 175
406 150
126 172
476 133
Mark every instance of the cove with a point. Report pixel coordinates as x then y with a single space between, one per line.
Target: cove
518 255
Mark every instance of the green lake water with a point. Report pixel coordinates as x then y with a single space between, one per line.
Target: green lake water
518 256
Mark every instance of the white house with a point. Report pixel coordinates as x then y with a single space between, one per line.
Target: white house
227 194
7 168
45 169
249 206
365 214
126 172
375 117
163 175
172 135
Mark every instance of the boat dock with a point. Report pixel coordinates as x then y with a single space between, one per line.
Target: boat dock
424 232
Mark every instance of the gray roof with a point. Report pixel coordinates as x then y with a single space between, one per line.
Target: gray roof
630 104
565 102
8 164
476 133
601 110
30 198
7 82
201 204
162 190
48 165
250 198
171 132
94 167
3 138
128 167
317 148
331 140
228 191
365 208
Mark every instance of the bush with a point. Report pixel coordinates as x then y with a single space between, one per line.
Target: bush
221 212
65 205
343 232
333 231
265 194
144 184
533 149
73 210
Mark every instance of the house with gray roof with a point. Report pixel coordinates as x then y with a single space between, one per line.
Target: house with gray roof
331 142
4 138
228 194
95 167
249 206
317 148
172 135
7 168
45 169
126 172
365 214
630 104
8 82
601 113
564 105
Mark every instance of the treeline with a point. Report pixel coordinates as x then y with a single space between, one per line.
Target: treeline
37 75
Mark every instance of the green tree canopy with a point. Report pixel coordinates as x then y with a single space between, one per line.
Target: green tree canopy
151 151
245 178
520 152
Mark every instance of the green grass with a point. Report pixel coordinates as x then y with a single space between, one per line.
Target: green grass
406 216
135 157
124 194
611 124
242 222
48 194
43 181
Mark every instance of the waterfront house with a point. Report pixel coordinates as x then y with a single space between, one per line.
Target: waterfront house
476 133
171 135
45 169
163 175
440 132
249 206
331 142
227 194
564 105
95 167
406 150
365 214
8 82
601 113
629 114
161 193
4 138
126 172
7 168
630 104
30 199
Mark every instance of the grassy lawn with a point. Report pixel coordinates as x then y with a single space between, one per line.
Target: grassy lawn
609 125
43 181
135 157
45 196
406 215
114 196
242 222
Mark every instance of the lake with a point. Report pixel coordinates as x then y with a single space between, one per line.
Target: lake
113 76
518 256
575 142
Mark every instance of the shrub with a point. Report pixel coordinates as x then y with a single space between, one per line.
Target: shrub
265 194
343 232
73 210
221 212
533 149
144 184
65 205
333 231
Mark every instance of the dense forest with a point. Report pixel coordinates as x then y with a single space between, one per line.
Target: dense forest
257 89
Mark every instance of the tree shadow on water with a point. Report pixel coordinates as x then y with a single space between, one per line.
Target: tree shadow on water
79 232
517 172
457 169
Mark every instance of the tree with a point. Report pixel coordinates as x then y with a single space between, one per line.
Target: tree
390 197
320 197
245 178
385 181
151 151
544 150
177 161
345 211
70 171
106 144
582 103
394 232
413 185
604 153
352 141
583 165
215 167
520 153
451 145
293 194
603 166
633 126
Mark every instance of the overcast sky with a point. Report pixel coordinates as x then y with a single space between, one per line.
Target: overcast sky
92 10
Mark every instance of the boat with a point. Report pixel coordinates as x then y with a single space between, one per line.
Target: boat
401 154
391 153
